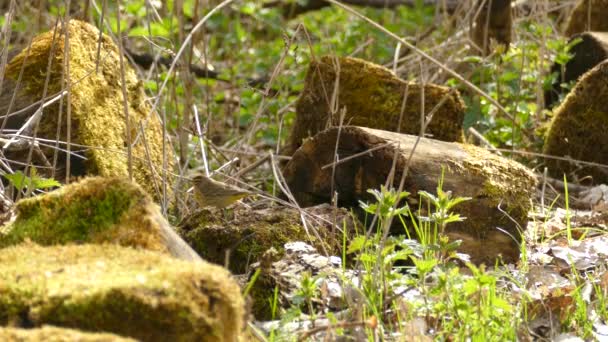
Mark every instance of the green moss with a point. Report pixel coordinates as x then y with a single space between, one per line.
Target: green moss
49 333
248 235
261 292
140 294
96 101
93 210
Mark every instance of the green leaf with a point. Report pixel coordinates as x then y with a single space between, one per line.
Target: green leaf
356 244
424 266
20 181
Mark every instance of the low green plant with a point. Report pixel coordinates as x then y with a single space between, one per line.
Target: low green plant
472 306
576 317
306 292
456 305
30 183
517 79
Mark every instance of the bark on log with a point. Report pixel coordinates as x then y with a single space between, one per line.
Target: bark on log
493 22
589 52
498 186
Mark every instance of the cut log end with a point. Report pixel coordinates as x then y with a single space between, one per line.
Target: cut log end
500 189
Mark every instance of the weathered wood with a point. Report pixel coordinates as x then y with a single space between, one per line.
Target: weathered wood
176 246
588 15
589 52
497 185
493 22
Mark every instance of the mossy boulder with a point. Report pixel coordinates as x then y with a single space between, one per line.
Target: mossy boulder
94 210
373 97
249 233
588 15
97 116
578 129
54 334
135 293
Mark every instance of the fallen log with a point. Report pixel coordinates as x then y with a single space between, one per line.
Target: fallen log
500 189
95 210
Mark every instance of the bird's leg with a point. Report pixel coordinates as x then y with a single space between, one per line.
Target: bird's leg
228 214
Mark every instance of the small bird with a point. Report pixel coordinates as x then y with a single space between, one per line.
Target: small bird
209 192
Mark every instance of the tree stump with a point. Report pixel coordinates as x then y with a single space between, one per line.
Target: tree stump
373 97
578 130
588 15
498 186
493 22
589 52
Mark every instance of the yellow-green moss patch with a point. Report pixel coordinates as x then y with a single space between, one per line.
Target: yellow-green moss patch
96 209
507 184
135 293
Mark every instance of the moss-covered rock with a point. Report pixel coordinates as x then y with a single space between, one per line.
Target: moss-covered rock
584 18
373 97
54 334
94 210
135 293
249 233
579 126
96 112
